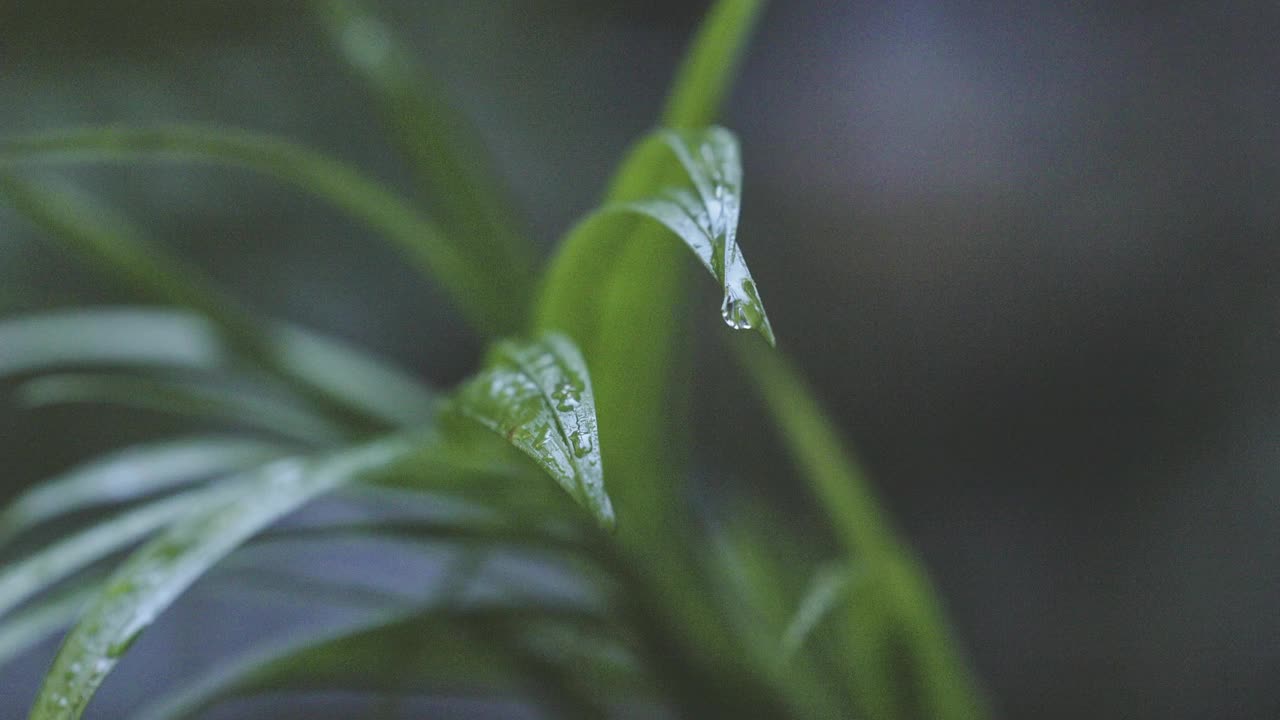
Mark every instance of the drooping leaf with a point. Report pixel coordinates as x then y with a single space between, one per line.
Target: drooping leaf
130 474
701 208
44 567
154 576
901 610
468 281
538 396
446 153
146 338
24 629
243 407
442 649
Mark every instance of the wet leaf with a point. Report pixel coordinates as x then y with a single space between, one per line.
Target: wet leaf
538 396
153 577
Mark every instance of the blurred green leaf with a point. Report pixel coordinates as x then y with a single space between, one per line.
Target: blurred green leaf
900 611
466 279
828 587
146 338
445 152
153 577
243 407
40 570
538 396
131 474
443 649
23 630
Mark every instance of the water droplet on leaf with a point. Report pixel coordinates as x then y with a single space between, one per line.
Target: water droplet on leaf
734 313
580 443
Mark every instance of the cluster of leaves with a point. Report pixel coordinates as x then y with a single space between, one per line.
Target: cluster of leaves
705 622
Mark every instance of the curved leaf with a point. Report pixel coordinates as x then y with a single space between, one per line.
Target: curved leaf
828 587
470 283
437 650
147 337
25 629
538 396
56 562
446 154
231 405
130 474
701 209
155 575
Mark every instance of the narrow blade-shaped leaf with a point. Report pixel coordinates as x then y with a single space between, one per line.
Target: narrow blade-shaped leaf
706 219
147 337
468 281
830 585
24 629
156 574
60 560
902 603
446 153
249 409
538 396
438 650
130 474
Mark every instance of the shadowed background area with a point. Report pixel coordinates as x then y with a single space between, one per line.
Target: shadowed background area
1026 252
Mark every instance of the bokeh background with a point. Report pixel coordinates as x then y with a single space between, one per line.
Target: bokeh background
1028 252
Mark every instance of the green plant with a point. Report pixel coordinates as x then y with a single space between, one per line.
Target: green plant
708 623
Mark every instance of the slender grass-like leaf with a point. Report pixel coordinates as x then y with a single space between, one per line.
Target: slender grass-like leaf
466 279
902 603
242 407
438 650
130 474
447 155
23 579
829 586
146 338
24 629
538 396
155 575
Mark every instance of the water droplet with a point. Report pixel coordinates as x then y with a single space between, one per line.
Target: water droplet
580 443
734 312
566 397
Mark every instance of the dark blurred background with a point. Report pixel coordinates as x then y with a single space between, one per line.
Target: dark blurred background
1028 253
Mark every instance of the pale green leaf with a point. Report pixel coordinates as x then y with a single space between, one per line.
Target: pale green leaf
538 396
153 577
24 629
444 649
130 474
250 409
46 566
148 337
829 586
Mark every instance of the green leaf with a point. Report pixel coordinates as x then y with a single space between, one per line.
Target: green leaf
701 209
153 577
146 338
829 586
24 629
441 649
901 603
23 579
538 396
448 157
247 408
468 281
130 474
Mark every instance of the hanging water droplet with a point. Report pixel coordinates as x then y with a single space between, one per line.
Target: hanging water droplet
734 312
580 443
